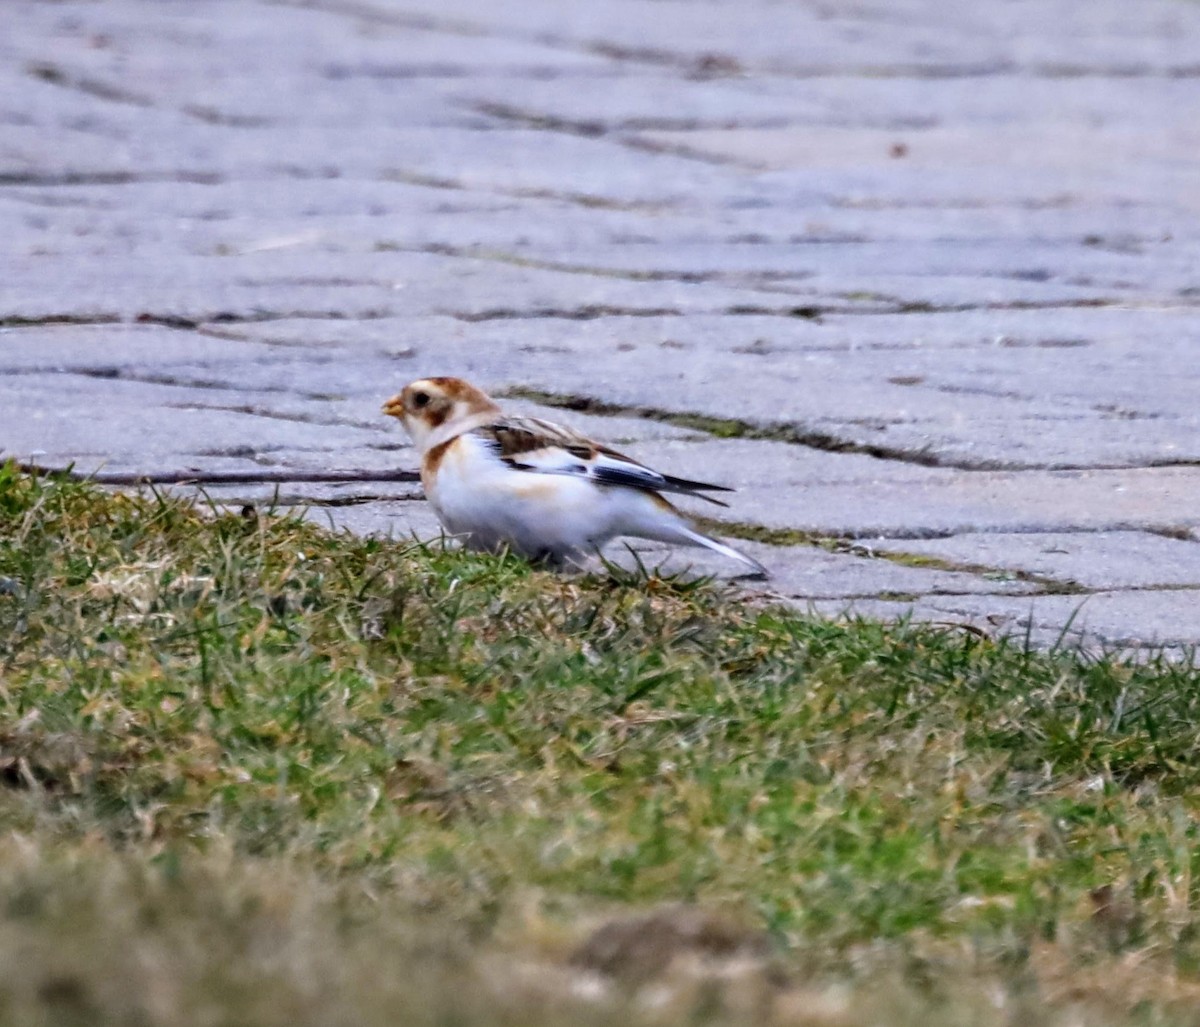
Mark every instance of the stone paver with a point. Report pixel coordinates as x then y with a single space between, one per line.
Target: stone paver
1091 560
925 278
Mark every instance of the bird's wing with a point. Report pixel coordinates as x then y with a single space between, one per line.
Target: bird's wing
542 447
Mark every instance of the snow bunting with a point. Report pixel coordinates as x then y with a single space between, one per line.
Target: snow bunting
541 489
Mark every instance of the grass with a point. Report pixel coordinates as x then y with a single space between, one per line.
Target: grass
253 772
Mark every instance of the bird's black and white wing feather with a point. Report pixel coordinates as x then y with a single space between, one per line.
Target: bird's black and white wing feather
542 447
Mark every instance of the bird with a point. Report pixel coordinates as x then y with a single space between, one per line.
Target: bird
540 489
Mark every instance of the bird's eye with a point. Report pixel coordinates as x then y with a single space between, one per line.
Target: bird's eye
420 399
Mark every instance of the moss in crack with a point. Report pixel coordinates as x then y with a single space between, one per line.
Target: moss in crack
774 536
18 321
924 561
1179 532
735 428
719 427
850 547
1045 586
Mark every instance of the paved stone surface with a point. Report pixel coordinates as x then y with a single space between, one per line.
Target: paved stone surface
1087 560
923 281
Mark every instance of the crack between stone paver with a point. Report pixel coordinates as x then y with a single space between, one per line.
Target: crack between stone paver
263 477
201 323
211 328
1057 202
833 544
125 374
59 202
864 304
886 304
795 434
1046 585
194 323
214 116
678 148
594 128
392 16
265 340
1178 532
736 428
274 415
704 65
713 64
48 179
517 260
589 312
598 130
1072 409
587 200
51 320
59 76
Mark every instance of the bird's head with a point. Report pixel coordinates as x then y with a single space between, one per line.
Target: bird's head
426 405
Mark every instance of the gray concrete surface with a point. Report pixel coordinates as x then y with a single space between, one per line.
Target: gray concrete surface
929 273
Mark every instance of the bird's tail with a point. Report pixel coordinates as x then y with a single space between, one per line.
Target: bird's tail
689 536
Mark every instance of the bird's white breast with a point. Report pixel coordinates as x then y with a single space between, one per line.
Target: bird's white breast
476 494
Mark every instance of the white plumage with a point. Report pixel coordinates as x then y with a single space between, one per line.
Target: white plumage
541 489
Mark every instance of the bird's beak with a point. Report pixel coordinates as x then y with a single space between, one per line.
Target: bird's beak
394 407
